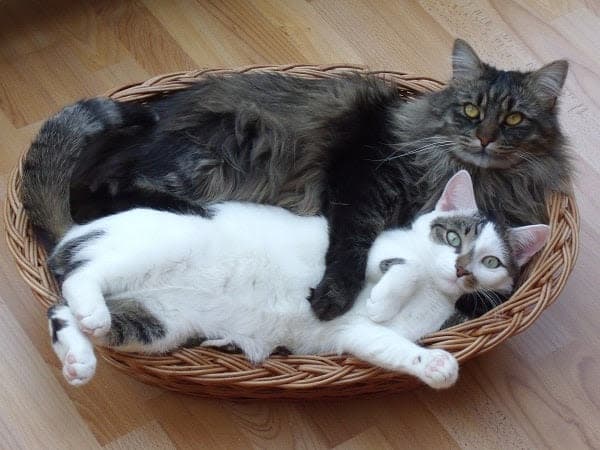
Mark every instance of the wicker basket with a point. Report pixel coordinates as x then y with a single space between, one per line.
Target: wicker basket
208 372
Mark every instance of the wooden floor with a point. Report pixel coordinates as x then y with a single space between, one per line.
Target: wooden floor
540 390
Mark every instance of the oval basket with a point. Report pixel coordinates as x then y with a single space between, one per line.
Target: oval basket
209 372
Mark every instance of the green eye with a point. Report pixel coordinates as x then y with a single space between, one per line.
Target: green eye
453 238
471 111
491 262
513 119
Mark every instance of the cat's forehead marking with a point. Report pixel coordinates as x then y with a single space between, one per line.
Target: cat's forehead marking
465 223
467 226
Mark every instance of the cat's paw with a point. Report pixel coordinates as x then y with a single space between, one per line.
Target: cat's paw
95 322
437 368
330 300
79 366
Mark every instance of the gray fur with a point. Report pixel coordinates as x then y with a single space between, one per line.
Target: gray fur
467 227
275 131
55 154
56 324
385 265
50 161
131 322
65 259
274 152
533 159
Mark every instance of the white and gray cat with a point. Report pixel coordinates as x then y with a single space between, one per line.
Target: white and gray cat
148 281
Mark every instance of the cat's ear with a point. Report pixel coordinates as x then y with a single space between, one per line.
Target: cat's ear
466 65
527 241
548 81
458 194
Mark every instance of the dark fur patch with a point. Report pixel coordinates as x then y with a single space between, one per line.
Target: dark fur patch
281 351
53 157
474 305
385 265
56 324
467 227
131 322
455 319
193 341
65 259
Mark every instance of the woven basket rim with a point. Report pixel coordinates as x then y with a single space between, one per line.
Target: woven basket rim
209 372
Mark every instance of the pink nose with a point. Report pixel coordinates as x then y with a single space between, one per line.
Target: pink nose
461 272
485 140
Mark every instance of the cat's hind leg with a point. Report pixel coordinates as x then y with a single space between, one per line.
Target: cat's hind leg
73 348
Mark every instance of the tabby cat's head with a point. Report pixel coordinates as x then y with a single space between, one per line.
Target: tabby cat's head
470 252
494 118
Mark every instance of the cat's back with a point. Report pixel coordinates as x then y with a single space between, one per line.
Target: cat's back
271 231
258 240
145 236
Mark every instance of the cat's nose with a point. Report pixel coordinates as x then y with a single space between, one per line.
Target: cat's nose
461 271
485 139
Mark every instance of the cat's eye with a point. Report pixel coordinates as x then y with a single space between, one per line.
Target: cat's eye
471 111
513 119
453 238
491 262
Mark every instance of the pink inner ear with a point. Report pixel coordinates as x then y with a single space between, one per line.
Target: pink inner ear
458 194
529 240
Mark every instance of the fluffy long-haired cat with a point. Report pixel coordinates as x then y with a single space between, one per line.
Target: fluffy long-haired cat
147 280
350 149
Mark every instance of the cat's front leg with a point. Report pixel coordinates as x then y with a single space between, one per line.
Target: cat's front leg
385 348
351 236
392 291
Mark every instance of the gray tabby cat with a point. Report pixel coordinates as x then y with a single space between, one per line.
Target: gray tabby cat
349 148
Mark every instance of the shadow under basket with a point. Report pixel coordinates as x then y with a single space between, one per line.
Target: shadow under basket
209 372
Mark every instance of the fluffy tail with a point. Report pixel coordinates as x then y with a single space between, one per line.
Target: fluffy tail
54 155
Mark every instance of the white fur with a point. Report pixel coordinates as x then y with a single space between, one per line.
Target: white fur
244 275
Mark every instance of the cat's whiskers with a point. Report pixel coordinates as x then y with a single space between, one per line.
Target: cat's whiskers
425 140
528 157
490 297
424 148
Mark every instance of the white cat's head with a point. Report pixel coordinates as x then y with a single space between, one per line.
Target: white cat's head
470 252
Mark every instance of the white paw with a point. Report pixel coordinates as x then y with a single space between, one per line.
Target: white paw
95 322
437 368
79 366
376 310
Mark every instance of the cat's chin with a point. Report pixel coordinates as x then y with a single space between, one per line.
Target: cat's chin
465 287
485 160
451 287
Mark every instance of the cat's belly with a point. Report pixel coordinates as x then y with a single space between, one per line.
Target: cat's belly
255 303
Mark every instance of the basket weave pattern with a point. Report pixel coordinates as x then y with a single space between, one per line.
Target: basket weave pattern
209 372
